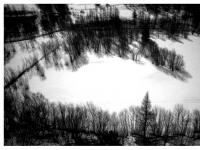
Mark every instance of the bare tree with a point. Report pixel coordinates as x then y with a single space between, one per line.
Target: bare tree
167 119
156 123
103 119
181 122
137 120
124 123
114 122
92 114
132 112
196 123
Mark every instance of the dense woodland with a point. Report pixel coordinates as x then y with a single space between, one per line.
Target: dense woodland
30 119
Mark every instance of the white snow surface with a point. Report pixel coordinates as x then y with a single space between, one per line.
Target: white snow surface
114 83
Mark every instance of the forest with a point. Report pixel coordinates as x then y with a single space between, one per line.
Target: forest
30 119
49 33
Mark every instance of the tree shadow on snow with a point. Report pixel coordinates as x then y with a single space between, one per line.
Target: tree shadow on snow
180 75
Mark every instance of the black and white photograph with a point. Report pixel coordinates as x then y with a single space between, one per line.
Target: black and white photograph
101 74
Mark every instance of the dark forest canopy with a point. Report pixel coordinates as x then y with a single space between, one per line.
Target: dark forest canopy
58 17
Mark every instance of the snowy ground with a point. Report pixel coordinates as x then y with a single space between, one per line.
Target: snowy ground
114 83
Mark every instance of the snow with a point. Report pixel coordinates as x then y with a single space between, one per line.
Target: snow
114 83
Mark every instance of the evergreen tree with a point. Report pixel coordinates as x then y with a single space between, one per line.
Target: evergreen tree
145 114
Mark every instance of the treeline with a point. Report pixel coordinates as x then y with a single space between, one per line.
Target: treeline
102 37
162 57
30 119
23 24
173 20
100 13
185 13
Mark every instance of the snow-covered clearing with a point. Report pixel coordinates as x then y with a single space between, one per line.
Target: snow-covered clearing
114 83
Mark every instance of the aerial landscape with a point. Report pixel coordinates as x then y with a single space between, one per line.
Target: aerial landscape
102 74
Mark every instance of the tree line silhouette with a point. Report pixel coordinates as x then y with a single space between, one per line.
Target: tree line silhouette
30 119
174 20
